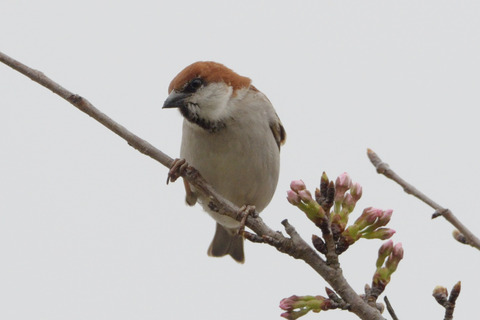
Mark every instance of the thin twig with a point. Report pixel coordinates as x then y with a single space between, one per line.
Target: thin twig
452 299
294 246
383 168
390 308
448 302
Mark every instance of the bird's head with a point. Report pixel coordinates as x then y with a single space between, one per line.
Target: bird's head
204 92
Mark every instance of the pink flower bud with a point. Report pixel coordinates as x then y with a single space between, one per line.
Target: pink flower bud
384 218
397 252
342 184
372 214
305 195
367 218
386 248
382 234
293 197
348 203
356 191
287 303
297 185
297 307
394 258
384 251
343 181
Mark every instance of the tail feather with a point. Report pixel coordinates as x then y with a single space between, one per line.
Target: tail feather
227 241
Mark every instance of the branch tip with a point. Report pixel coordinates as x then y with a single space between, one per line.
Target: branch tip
382 168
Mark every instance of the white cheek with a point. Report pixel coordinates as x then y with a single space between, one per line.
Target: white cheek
213 101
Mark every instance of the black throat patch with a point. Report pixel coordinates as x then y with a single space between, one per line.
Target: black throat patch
189 113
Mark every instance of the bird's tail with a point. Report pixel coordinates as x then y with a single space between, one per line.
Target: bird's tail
227 241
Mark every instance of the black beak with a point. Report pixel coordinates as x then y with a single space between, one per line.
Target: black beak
176 99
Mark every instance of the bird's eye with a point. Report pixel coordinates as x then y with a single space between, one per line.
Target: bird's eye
194 85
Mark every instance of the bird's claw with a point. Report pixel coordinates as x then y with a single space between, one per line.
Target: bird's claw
244 212
177 170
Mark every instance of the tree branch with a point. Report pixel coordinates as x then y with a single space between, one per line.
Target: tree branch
295 246
390 309
84 105
383 168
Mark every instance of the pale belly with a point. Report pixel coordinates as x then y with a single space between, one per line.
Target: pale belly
242 169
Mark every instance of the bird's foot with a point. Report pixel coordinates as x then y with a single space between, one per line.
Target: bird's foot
177 170
244 212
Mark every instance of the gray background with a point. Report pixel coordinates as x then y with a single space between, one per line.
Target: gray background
88 228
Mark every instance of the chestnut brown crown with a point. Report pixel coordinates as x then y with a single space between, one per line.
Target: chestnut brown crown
209 72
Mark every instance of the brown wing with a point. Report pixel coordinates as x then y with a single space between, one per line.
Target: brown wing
278 131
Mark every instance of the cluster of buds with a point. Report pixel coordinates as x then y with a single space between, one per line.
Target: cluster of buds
389 257
370 225
299 196
297 306
341 198
330 211
344 201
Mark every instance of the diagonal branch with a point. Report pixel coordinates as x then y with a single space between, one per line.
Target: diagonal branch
390 309
294 246
383 168
85 106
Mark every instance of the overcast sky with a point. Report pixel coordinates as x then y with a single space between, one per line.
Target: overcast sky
90 230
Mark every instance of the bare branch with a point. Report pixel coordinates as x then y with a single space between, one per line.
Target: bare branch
85 106
390 308
383 168
294 246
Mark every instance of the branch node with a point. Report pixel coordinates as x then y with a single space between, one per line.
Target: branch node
440 212
74 98
253 237
457 235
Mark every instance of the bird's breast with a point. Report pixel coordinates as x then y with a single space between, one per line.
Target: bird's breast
242 165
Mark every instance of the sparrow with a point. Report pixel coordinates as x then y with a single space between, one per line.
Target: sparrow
232 136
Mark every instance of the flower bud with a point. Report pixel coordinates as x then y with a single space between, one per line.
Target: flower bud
298 306
384 251
342 184
397 252
288 303
455 292
293 197
319 244
305 196
348 204
384 218
440 294
368 217
394 258
292 315
356 191
457 235
297 185
381 233
343 181
324 179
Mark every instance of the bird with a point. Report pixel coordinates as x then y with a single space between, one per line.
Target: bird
232 135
